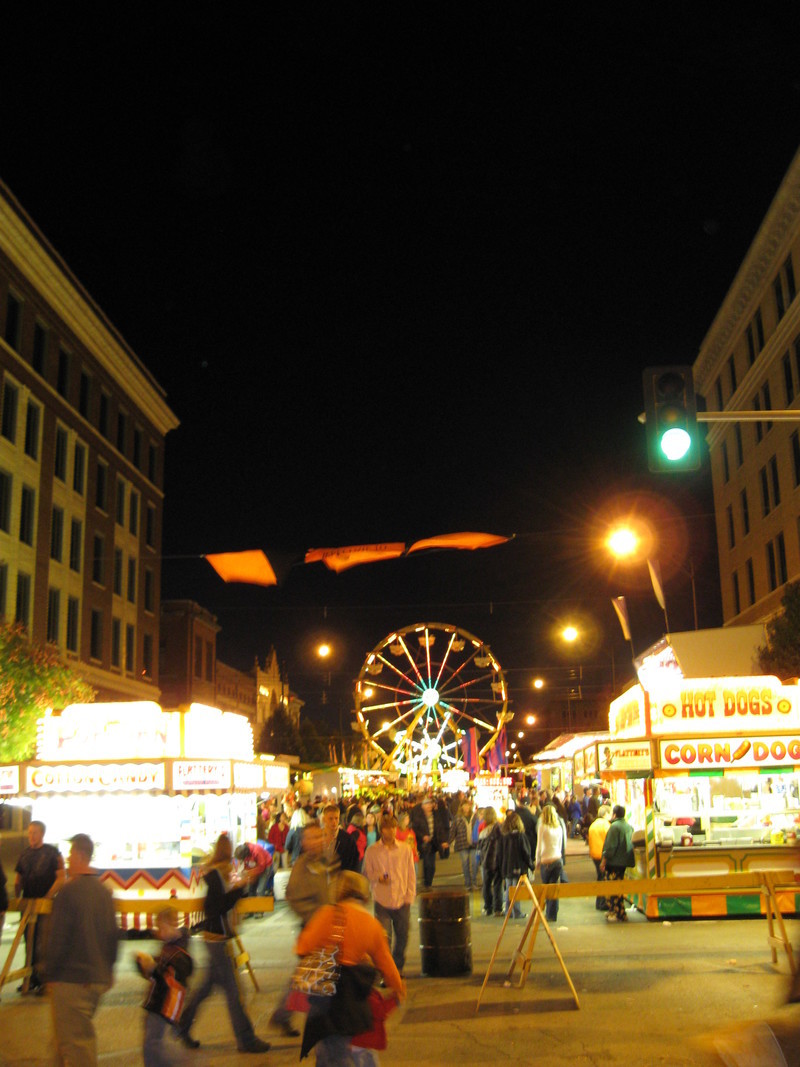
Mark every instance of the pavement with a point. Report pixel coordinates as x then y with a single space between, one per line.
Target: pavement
691 992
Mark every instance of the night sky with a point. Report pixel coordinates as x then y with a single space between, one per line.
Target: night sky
399 269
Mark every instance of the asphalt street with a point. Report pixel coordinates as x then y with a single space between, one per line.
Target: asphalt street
693 992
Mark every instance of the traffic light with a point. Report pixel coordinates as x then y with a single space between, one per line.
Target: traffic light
671 419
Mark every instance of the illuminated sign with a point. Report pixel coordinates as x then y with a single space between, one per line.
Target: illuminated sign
9 780
276 776
724 705
579 772
201 774
94 778
107 731
493 782
590 761
249 776
625 756
626 714
716 752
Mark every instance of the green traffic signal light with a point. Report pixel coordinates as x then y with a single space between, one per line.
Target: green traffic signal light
671 419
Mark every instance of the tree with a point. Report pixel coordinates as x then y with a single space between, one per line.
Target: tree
314 748
782 654
280 734
32 679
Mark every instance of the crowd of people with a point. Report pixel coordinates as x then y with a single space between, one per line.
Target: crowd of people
341 858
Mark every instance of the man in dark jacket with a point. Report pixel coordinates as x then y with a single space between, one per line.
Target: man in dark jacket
529 824
430 822
339 847
617 857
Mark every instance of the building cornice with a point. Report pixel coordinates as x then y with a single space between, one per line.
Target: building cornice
765 255
37 261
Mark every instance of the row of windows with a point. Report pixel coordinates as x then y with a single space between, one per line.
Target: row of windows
123 573
63 617
94 404
784 291
198 659
770 486
777 573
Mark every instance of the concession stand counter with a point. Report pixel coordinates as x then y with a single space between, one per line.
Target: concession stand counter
154 789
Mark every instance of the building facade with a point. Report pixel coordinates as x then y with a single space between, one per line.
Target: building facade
191 673
750 361
82 429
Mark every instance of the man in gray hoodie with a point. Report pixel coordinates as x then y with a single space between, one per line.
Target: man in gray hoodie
80 954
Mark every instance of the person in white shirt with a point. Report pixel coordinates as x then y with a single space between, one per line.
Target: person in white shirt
550 848
389 867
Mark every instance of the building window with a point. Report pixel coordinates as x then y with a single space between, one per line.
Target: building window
751 345
732 373
33 417
726 470
6 483
198 657
60 457
122 431
132 581
137 448
784 288
130 648
96 635
152 462
745 513
3 589
75 545
79 468
148 589
118 571
101 487
39 356
53 615
84 394
759 425
8 421
13 321
147 655
767 405
759 330
73 622
116 643
718 394
776 485
776 562
120 502
150 527
22 613
98 560
731 530
788 378
133 513
62 378
209 662
102 415
762 474
737 434
57 535
751 581
737 607
27 512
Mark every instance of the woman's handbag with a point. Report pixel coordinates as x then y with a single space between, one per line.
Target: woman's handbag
318 972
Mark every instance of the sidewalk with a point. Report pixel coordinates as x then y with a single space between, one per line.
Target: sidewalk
650 993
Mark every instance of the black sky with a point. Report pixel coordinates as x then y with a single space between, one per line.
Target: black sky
399 270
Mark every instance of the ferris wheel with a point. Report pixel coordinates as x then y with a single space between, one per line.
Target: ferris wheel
420 690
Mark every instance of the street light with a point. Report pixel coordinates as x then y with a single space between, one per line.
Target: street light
625 541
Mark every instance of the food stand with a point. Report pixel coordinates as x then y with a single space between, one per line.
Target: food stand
153 789
724 790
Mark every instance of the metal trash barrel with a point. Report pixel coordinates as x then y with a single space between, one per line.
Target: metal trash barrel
445 935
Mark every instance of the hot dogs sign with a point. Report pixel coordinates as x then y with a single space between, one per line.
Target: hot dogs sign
723 706
726 722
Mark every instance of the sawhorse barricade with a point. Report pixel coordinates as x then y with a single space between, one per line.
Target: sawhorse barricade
189 909
766 883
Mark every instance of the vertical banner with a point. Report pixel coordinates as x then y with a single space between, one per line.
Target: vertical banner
469 751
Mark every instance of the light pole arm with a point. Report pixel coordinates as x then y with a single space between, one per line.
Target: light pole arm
768 415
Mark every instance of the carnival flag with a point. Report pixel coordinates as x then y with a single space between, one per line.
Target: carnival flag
496 756
655 578
469 750
621 609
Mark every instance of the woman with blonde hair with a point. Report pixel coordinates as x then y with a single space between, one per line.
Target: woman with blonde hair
221 896
515 858
490 859
362 948
550 847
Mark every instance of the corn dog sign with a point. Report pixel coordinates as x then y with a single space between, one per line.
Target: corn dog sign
721 752
724 706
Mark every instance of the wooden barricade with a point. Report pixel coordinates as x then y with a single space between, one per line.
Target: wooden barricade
766 883
190 909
